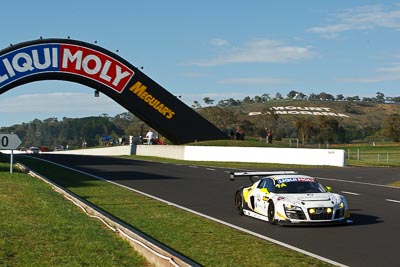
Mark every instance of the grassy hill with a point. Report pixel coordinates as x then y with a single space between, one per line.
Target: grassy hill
359 113
355 121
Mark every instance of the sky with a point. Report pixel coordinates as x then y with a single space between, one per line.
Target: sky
217 49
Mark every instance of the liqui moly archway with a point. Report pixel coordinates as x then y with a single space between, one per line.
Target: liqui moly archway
98 68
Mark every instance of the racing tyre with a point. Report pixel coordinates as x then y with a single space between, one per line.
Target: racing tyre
239 203
271 213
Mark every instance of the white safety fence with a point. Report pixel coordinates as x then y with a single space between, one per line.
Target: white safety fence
299 156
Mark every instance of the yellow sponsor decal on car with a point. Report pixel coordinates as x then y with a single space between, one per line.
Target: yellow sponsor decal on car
247 192
281 215
280 185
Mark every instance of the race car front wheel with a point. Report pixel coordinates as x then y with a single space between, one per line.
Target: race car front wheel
271 213
239 202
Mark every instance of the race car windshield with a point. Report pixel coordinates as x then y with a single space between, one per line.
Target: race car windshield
299 187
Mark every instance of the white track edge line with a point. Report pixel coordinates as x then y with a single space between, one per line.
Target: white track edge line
356 182
392 200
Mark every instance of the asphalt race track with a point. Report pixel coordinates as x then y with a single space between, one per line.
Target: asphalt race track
372 239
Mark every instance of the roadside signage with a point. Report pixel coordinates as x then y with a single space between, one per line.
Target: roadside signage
9 141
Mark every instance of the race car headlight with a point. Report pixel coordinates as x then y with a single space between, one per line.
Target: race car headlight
341 205
294 212
291 207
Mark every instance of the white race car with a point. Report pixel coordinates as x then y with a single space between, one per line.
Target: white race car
287 197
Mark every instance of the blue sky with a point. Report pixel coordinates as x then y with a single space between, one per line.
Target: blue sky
217 49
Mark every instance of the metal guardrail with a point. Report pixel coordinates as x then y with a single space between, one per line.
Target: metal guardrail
374 157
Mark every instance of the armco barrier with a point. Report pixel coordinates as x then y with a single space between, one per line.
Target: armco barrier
300 156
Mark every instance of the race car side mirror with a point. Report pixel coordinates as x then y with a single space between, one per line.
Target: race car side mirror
329 189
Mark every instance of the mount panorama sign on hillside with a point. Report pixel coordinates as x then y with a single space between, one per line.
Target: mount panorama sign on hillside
293 110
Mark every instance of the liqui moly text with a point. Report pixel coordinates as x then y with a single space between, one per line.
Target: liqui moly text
64 58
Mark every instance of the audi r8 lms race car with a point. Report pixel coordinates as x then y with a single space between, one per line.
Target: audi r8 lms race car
286 197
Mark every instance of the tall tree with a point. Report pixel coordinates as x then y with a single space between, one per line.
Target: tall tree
392 127
278 96
325 96
328 129
196 104
304 126
380 97
208 101
339 97
292 94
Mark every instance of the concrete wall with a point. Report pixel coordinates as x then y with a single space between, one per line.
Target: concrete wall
172 152
106 151
301 156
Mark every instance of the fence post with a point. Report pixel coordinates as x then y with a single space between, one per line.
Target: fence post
358 154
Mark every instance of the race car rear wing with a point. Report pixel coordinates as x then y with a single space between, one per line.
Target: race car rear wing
252 174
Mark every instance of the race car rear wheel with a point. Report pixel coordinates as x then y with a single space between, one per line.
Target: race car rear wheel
239 203
271 213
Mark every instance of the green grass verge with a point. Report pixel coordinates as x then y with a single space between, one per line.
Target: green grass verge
206 242
38 227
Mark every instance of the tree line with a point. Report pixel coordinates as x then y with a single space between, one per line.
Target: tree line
76 132
296 95
91 131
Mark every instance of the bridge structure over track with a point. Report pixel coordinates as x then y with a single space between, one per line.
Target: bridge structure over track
98 68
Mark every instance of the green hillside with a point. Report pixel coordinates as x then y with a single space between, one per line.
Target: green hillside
311 122
355 113
327 121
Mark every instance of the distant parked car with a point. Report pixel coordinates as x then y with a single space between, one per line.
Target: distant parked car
44 149
59 148
33 150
